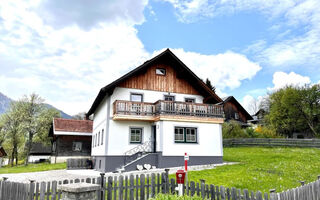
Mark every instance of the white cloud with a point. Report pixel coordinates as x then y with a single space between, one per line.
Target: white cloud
65 65
282 79
225 70
68 62
251 104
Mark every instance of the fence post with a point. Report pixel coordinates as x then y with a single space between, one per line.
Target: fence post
102 184
273 194
202 188
167 180
31 190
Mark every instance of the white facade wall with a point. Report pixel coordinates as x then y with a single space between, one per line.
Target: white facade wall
99 124
119 141
209 140
116 134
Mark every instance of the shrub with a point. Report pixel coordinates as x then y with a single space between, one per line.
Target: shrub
233 130
266 132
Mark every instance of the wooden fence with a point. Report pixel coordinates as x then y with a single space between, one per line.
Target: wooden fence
141 187
272 142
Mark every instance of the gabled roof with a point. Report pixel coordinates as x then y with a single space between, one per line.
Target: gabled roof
234 100
71 125
167 55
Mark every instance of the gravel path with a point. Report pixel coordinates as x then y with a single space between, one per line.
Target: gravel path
60 175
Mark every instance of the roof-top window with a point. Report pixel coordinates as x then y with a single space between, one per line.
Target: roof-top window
161 71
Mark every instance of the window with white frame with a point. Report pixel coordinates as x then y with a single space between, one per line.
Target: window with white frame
168 98
102 136
98 139
161 71
135 135
185 135
136 97
76 146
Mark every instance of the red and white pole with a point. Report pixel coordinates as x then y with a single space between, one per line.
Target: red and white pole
186 158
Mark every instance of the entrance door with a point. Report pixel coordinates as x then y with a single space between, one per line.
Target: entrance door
154 139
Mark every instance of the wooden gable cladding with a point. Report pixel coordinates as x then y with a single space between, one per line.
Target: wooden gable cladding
170 82
230 109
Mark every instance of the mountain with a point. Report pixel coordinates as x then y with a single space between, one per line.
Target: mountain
5 104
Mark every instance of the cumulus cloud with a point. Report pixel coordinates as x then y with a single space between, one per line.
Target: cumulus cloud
282 79
225 70
66 64
86 14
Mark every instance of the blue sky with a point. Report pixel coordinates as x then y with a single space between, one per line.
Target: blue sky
66 53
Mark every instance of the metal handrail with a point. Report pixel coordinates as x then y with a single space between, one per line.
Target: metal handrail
142 148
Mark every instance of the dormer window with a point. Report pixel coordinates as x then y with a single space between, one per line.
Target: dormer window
161 71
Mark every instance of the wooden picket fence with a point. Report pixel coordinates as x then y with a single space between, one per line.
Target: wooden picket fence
310 191
272 142
141 187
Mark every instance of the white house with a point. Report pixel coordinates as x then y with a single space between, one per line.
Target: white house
153 115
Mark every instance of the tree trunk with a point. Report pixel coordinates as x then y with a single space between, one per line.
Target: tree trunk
16 156
29 148
12 157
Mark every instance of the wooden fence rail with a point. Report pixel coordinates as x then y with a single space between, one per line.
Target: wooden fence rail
272 142
142 187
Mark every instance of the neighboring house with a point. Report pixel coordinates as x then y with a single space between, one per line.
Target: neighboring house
70 139
234 111
39 153
153 115
3 155
257 118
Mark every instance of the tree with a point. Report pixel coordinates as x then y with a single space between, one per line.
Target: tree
11 130
36 120
80 116
294 109
208 83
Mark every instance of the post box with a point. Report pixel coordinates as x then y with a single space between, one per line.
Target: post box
180 175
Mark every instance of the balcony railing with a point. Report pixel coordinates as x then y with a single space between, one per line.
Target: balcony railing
167 108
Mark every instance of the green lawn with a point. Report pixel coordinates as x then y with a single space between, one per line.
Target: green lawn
32 168
263 168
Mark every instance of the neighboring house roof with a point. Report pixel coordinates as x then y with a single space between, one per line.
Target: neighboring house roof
39 148
234 100
71 127
193 79
3 153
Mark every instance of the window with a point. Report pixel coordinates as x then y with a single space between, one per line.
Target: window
161 71
136 97
190 100
93 141
236 115
102 136
135 135
98 139
185 135
76 146
168 98
178 134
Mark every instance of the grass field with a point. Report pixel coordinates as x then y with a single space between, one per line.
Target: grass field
32 168
263 168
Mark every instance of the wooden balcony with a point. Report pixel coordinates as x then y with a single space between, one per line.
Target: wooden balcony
167 110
